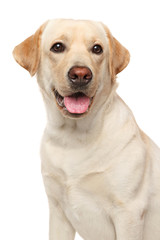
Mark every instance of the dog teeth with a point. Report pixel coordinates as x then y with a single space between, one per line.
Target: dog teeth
59 98
61 102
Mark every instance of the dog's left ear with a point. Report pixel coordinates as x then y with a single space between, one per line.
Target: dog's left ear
27 53
119 55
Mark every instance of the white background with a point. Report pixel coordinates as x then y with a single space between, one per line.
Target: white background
136 24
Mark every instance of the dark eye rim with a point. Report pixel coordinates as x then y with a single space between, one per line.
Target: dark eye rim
58 50
99 51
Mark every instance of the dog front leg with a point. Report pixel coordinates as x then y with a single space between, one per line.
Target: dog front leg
129 226
59 226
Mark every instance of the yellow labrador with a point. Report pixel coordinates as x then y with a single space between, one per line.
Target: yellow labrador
101 172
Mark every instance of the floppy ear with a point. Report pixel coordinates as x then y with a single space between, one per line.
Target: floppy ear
119 55
27 53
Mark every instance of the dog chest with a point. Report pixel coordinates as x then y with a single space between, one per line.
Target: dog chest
88 184
69 179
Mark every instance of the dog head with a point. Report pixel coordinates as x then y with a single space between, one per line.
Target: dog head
75 61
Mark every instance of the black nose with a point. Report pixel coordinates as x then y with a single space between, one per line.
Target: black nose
79 76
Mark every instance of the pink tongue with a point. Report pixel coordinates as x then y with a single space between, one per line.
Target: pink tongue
77 104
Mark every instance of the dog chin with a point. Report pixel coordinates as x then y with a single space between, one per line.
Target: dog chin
76 105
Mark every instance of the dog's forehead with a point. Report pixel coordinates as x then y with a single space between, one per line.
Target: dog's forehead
82 29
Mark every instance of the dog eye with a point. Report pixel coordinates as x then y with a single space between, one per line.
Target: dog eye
97 49
58 48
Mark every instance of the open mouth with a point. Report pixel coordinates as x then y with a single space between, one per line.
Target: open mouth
77 103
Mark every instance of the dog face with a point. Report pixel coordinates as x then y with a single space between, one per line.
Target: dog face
76 61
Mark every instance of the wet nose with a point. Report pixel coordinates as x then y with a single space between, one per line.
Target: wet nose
79 76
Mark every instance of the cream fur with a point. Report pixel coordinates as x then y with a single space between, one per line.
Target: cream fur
101 172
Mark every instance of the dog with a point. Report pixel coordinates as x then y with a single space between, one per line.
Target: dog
101 171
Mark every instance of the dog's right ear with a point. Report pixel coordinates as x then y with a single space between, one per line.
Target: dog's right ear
27 53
